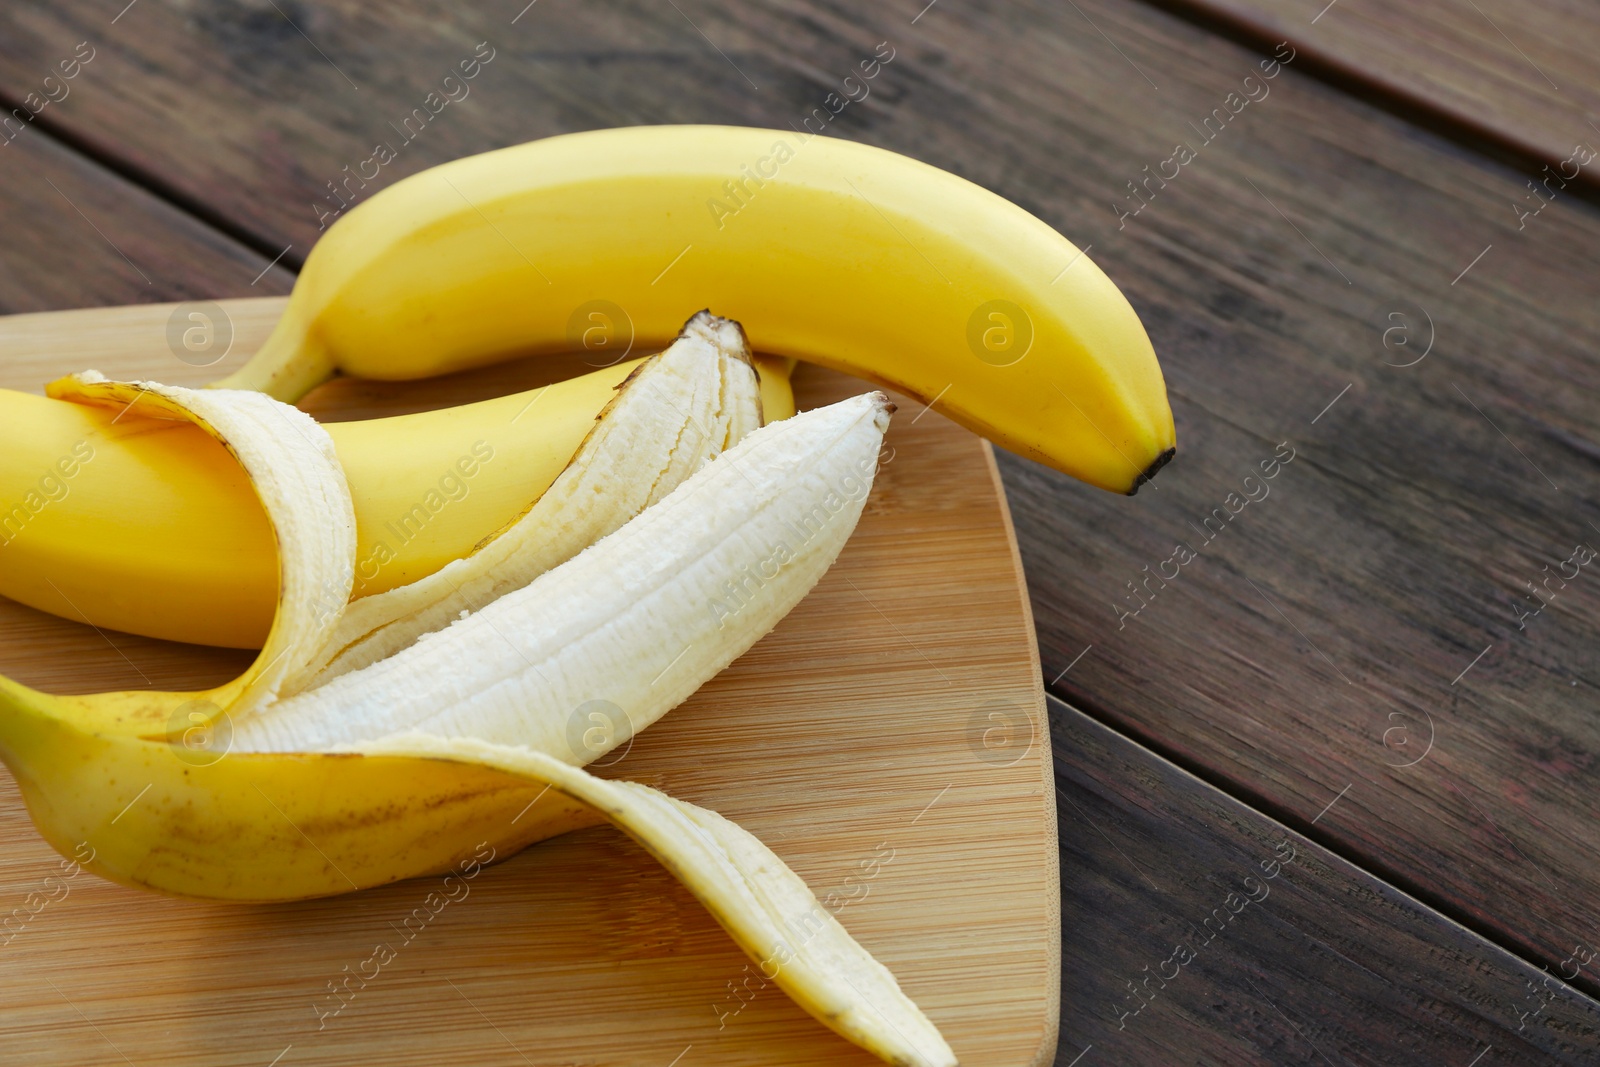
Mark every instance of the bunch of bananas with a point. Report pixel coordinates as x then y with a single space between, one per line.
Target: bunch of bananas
634 534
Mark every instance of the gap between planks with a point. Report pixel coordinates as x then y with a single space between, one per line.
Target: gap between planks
1281 816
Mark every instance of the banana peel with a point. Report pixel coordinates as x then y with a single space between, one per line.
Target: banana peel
402 807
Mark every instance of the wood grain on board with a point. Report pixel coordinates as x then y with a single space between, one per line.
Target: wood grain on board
1518 73
887 740
1238 941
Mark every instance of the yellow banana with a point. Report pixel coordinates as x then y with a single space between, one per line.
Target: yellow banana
394 768
837 253
149 527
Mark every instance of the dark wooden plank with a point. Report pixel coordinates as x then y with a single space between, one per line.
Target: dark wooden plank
1397 539
1197 930
1518 73
76 235
262 106
1320 641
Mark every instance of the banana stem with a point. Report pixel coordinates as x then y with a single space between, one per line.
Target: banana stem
289 365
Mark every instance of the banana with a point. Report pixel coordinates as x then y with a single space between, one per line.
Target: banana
148 525
384 771
838 253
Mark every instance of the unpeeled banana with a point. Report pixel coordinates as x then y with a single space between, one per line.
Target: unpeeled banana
837 253
383 771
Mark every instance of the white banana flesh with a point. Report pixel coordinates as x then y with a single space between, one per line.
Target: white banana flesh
640 620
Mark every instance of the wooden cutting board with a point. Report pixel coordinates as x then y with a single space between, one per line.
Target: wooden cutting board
887 740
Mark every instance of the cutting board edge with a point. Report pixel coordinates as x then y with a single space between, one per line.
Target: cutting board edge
1052 1030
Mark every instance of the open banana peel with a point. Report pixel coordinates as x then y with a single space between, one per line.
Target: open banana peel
372 741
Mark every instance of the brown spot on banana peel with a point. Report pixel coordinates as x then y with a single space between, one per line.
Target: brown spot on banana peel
483 804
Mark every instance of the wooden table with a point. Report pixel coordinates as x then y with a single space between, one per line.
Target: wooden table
1353 270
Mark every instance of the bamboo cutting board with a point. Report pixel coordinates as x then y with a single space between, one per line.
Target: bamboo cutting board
887 740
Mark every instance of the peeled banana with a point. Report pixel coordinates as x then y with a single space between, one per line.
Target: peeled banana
837 253
148 526
383 770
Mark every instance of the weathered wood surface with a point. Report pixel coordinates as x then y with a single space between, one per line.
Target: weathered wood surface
1237 941
1290 259
76 235
1521 74
1331 635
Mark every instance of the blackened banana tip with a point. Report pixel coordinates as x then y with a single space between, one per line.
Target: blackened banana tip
1150 471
